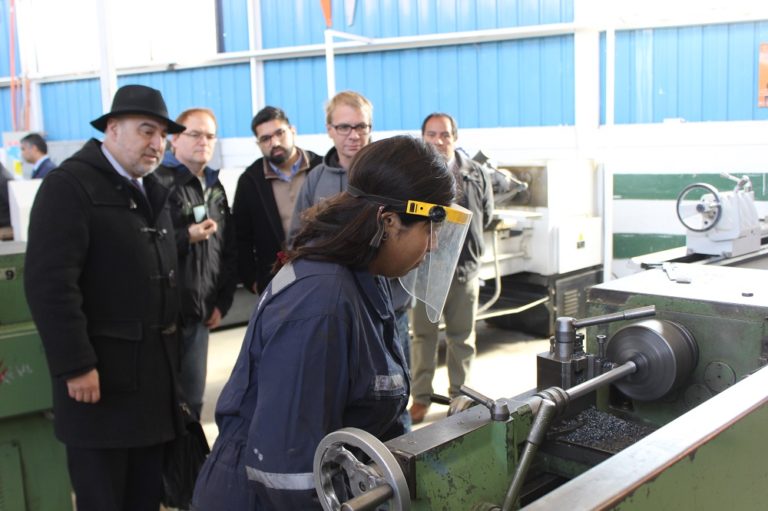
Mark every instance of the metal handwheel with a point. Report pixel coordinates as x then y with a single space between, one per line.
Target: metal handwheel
703 214
379 481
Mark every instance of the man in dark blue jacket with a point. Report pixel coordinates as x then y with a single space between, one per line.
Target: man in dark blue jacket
34 150
205 242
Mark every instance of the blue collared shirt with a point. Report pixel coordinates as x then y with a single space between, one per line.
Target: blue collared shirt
294 169
170 160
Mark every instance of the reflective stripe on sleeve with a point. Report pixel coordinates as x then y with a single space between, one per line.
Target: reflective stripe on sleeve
303 481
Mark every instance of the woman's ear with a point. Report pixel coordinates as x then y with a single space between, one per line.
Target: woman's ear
390 220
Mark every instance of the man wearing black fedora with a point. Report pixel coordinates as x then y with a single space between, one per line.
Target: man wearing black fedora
100 280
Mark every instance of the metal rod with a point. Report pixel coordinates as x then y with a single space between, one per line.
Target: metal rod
496 275
546 413
476 396
369 499
604 379
512 310
640 312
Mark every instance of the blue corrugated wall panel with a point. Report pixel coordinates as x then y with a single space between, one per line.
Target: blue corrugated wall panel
224 89
742 71
511 83
690 73
302 104
716 49
5 109
397 18
665 73
698 74
69 107
529 83
234 22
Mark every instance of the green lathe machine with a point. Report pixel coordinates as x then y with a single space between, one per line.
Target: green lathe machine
657 400
33 469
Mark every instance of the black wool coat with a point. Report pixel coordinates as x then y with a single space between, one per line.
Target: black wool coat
100 277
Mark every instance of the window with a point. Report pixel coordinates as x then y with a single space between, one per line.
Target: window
60 37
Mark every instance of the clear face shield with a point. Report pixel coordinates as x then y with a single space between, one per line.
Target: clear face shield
430 281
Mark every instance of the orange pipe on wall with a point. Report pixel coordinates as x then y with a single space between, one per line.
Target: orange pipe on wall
326 5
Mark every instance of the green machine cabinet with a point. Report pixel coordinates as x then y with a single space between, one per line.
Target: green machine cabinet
33 469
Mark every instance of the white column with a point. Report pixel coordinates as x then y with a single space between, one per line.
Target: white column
257 66
25 24
108 75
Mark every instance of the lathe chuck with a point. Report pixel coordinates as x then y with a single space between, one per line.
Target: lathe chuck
665 353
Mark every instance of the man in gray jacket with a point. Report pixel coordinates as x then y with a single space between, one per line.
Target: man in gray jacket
348 120
474 192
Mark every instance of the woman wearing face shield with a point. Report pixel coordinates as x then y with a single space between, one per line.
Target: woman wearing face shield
320 351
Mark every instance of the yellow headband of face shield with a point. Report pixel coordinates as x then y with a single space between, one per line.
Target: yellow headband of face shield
437 213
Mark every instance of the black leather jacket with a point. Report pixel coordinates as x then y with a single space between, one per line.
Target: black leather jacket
476 196
207 269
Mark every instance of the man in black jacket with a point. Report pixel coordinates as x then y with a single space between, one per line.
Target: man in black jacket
6 231
100 279
266 195
205 240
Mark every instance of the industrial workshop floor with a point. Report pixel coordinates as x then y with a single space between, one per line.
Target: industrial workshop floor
505 366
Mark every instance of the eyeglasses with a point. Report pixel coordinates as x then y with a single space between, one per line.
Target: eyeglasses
266 139
345 129
197 135
441 135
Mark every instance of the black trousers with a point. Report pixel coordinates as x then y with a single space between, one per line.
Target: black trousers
117 479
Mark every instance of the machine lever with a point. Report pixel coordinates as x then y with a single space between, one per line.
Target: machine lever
499 410
640 312
369 500
440 399
565 327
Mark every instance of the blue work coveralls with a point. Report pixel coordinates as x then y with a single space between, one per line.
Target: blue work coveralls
320 354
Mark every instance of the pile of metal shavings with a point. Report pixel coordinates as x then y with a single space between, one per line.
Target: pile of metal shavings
600 430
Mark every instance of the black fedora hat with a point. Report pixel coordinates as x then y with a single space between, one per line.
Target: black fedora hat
138 100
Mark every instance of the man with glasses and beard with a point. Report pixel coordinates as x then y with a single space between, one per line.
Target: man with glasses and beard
266 194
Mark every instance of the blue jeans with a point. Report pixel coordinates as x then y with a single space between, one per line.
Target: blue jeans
401 324
194 364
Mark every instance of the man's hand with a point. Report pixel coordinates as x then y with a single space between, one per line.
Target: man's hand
85 388
202 231
215 319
